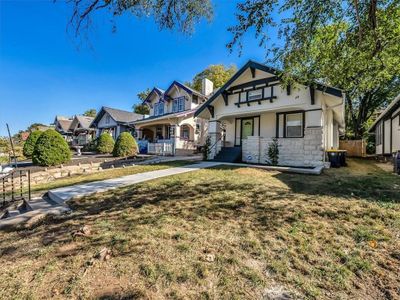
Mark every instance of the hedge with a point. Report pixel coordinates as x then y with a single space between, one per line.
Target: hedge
105 143
51 149
29 145
125 146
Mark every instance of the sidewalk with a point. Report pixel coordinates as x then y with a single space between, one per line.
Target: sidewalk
61 195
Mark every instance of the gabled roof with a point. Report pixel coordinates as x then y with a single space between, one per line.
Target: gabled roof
156 90
255 65
395 104
84 121
64 124
184 87
118 115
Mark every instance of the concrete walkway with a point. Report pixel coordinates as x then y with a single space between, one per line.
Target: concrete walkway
61 195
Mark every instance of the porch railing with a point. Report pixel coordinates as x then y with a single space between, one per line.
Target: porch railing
15 186
161 148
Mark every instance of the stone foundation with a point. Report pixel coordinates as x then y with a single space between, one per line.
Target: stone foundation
307 151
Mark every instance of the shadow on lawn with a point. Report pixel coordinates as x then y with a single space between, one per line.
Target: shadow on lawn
215 198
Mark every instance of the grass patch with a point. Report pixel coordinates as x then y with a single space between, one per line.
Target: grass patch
222 233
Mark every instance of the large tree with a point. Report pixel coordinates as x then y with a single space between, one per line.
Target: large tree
90 113
141 108
354 45
218 74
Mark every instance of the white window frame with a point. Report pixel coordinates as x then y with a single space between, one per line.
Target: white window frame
301 125
254 95
178 104
159 109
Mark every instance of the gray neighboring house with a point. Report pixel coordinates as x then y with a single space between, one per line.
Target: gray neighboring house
62 125
387 129
114 121
81 131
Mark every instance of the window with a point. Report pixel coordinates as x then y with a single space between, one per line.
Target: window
255 95
108 119
159 133
185 132
378 134
159 109
195 99
294 125
178 104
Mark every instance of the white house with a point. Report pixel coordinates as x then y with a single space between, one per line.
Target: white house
171 119
387 129
254 107
114 121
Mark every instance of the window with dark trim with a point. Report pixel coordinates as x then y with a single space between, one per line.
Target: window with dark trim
294 125
195 99
185 132
254 94
178 104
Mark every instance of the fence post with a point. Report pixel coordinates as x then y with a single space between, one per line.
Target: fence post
12 185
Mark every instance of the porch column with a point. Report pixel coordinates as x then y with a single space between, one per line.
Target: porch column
214 132
177 136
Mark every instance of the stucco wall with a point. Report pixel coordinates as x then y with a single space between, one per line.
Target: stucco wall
305 151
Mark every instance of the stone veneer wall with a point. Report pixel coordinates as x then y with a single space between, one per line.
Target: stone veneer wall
307 151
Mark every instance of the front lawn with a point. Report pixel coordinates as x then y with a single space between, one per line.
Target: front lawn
222 233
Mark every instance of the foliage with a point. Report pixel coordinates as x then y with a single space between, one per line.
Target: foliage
31 142
105 143
125 145
143 94
354 45
90 113
36 126
206 148
218 74
273 152
141 109
51 149
91 146
167 14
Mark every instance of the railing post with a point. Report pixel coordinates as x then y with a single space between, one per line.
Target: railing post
20 183
29 185
4 192
12 185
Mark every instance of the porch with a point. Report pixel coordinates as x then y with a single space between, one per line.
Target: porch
302 136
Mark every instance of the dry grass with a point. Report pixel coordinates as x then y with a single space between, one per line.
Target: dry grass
223 233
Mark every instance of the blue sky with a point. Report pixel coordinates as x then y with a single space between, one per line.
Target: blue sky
44 73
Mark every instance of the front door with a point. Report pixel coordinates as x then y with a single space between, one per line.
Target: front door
247 128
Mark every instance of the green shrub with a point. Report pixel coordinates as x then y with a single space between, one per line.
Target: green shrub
273 152
105 143
125 146
51 149
91 146
29 145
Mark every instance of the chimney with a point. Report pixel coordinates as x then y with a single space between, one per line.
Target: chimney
207 87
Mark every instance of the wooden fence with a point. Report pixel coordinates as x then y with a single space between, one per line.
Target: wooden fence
354 148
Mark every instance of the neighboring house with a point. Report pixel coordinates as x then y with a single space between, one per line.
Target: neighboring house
81 131
387 129
114 121
171 117
254 107
62 125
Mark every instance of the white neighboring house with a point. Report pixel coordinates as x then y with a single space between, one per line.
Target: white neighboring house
62 125
171 119
114 121
253 107
387 129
